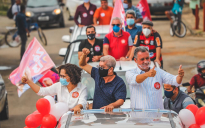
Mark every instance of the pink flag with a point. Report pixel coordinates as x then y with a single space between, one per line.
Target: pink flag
118 11
144 9
35 62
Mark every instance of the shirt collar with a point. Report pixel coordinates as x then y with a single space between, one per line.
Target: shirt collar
132 28
139 70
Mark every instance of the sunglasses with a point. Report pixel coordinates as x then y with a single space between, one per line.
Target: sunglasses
116 25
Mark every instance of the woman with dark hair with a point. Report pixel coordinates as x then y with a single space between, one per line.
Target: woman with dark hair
69 90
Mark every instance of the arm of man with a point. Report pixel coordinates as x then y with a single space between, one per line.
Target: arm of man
130 44
141 77
96 16
105 46
77 13
110 107
192 83
83 63
158 45
135 44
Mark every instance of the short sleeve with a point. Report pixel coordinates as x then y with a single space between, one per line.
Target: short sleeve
81 46
97 13
121 91
158 40
192 81
137 40
187 101
106 41
94 73
130 43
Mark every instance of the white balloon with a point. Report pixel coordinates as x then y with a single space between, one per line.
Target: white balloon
50 99
202 126
59 109
187 117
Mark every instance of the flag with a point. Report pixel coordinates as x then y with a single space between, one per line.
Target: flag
144 9
35 62
118 11
49 79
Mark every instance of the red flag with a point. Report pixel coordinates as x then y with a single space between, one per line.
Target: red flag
49 79
144 9
118 11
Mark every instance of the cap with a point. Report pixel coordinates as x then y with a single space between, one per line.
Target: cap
147 22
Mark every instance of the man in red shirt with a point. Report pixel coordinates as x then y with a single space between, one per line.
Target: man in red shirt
117 43
103 14
198 80
86 12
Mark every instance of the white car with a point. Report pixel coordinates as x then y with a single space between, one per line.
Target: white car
71 6
158 7
70 55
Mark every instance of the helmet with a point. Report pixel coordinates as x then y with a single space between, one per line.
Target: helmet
200 66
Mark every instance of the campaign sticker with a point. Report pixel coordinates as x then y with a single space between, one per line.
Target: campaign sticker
102 14
157 85
75 94
97 48
146 41
123 41
91 12
85 14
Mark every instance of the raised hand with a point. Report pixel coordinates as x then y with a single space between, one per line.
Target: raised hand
151 72
85 51
180 71
24 79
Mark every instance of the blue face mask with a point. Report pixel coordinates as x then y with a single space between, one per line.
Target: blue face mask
168 94
86 1
116 28
64 82
125 6
130 21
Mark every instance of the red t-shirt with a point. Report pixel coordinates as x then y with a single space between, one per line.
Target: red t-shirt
118 46
103 16
197 81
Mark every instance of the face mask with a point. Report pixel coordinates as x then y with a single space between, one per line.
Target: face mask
116 28
168 94
145 65
103 72
130 21
203 75
146 32
86 1
125 6
64 82
91 36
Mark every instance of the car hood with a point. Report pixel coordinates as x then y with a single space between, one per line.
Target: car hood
42 9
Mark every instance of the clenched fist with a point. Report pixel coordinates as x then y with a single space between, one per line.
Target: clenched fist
85 51
151 72
24 79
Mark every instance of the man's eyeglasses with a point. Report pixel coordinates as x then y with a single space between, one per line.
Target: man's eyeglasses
142 59
116 25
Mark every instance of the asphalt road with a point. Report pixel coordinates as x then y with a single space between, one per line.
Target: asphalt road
186 51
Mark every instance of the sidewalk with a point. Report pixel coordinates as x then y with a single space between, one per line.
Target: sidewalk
189 19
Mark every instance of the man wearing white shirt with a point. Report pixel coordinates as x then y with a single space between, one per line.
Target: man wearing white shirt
16 8
146 82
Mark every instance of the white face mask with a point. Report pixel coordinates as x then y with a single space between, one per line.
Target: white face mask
146 31
145 65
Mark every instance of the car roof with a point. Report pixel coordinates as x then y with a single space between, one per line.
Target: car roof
121 118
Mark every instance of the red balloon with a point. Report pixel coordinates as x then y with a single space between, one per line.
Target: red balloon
33 120
36 112
43 106
49 121
194 126
200 116
193 108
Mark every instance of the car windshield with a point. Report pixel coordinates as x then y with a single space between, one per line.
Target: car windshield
41 3
88 81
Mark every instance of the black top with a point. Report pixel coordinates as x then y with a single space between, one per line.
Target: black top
95 50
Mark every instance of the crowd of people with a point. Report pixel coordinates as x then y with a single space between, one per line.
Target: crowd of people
141 44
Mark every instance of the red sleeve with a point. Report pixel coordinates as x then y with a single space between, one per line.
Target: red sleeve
77 13
192 81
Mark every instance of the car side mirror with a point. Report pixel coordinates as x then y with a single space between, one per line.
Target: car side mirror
62 52
66 38
62 4
71 29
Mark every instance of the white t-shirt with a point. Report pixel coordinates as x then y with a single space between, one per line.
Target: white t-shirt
15 8
77 96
